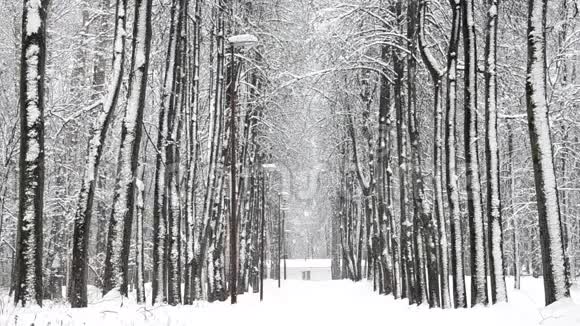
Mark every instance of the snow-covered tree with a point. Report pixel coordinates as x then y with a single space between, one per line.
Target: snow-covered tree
437 74
494 217
556 283
457 265
84 211
121 220
28 286
478 260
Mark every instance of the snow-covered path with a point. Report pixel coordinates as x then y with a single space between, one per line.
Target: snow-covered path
347 303
300 303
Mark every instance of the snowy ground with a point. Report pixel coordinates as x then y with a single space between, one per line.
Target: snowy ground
302 303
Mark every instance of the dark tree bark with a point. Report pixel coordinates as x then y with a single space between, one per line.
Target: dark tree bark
366 183
193 146
494 216
437 73
102 48
28 266
423 231
478 260
459 295
514 219
83 215
407 269
121 221
209 224
102 220
335 247
390 275
139 243
556 283
163 168
173 111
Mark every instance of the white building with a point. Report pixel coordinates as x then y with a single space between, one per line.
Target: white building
308 269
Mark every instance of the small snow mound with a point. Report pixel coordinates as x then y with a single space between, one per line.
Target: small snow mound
94 294
560 313
113 298
114 294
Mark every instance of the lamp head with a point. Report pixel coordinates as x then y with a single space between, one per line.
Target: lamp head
243 41
269 166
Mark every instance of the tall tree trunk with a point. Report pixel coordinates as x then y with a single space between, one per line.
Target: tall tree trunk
139 244
83 215
172 159
514 219
335 247
119 239
192 175
423 232
231 99
459 295
566 75
101 245
28 266
437 72
383 177
159 290
366 184
215 134
408 271
195 99
163 167
494 216
473 184
103 43
556 283
99 87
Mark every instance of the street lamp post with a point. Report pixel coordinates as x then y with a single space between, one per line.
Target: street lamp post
279 234
308 237
262 237
284 242
238 41
265 167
